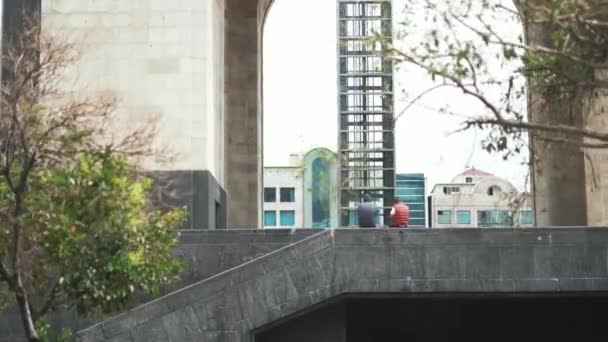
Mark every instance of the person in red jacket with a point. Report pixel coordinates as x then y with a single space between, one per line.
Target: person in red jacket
400 214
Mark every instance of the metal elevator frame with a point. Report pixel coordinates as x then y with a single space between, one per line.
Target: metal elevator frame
366 143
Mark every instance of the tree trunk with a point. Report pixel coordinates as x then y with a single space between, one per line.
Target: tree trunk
26 314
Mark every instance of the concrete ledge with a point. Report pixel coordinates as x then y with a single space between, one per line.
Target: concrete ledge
331 263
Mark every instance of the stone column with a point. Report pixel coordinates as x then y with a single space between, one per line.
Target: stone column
571 184
595 105
243 143
558 170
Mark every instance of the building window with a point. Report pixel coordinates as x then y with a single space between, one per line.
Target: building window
288 195
526 217
463 217
444 216
288 218
270 218
494 190
494 219
448 190
270 195
468 180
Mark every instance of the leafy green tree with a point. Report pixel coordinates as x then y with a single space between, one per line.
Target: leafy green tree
77 228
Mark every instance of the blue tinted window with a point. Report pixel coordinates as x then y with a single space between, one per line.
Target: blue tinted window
463 217
288 218
494 219
409 191
353 219
411 176
270 195
288 195
444 216
270 218
410 184
415 206
410 198
417 222
526 217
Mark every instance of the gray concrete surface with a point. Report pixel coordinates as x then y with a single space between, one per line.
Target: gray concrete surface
205 253
228 306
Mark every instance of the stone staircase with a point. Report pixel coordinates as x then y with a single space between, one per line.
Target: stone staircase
323 265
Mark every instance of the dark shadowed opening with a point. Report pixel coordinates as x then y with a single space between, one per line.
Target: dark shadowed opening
447 318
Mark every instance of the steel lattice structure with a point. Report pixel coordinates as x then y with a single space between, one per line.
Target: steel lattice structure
366 139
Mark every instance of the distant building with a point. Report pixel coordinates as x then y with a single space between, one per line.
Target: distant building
411 189
476 198
303 194
365 107
283 197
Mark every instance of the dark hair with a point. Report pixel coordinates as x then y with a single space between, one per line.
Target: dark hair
367 198
397 200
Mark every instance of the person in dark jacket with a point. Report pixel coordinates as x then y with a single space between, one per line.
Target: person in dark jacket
367 212
400 214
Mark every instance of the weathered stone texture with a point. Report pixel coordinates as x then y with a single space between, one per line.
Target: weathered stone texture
336 262
161 58
205 253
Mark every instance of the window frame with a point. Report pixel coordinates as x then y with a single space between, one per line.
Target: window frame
521 217
439 216
494 214
293 213
292 192
458 217
274 215
266 191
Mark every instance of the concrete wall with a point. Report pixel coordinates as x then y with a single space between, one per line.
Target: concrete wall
205 253
164 61
227 307
159 57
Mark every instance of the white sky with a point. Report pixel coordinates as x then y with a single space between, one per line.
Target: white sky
300 101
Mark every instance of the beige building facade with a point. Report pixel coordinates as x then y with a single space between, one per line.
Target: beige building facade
477 199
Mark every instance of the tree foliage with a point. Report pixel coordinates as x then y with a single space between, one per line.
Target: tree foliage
76 225
498 52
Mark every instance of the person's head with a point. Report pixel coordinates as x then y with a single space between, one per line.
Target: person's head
367 198
397 200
